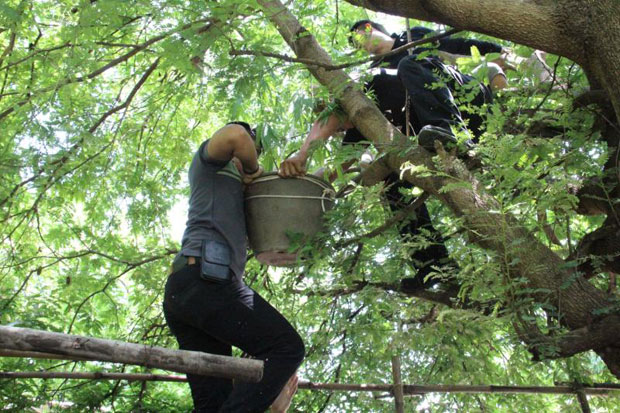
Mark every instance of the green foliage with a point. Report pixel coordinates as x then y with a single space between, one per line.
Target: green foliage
93 160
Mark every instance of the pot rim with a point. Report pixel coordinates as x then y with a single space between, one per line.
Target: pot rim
271 176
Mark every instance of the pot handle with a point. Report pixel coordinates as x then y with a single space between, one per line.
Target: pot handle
328 193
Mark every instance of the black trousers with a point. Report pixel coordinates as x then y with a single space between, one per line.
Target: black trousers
435 105
210 317
421 259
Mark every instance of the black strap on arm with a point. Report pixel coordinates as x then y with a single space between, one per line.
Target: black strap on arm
458 45
204 157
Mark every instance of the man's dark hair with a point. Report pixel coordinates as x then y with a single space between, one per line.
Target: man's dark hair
246 126
374 25
251 131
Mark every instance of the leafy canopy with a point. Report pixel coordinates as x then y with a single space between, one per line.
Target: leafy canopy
102 104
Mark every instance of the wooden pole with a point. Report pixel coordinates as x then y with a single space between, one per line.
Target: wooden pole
89 376
597 389
382 388
399 399
593 385
182 361
38 355
441 388
582 398
583 401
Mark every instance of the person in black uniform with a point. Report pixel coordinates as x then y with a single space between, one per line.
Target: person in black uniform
434 107
207 305
434 113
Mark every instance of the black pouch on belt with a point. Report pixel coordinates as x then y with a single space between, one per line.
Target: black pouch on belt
215 261
178 263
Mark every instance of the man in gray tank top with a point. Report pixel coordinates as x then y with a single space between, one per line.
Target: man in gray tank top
207 305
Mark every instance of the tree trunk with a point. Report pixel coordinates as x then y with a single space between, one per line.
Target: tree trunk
519 251
182 361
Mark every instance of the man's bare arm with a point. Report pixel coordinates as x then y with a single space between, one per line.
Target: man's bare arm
234 141
321 130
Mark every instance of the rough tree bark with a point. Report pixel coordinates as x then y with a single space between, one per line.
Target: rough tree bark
521 253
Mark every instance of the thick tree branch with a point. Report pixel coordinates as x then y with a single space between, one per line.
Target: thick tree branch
600 248
600 334
548 230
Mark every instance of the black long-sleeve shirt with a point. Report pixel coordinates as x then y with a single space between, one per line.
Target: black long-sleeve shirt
454 45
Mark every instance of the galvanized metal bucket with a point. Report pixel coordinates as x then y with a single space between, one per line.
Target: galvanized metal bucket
276 207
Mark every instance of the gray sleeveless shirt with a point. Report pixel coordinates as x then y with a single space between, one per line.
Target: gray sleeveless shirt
215 208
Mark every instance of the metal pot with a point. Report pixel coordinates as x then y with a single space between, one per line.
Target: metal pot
277 207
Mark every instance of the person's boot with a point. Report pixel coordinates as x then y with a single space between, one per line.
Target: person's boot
430 133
